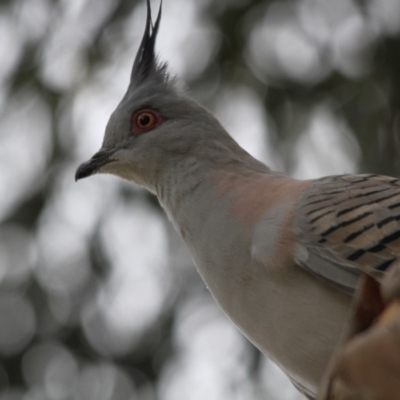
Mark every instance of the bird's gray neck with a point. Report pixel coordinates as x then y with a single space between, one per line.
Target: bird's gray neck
185 189
180 183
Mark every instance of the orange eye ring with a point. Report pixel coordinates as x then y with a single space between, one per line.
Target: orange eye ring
145 120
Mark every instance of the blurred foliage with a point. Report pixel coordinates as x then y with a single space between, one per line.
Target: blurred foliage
71 327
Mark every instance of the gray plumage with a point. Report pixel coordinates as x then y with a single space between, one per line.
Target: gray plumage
271 265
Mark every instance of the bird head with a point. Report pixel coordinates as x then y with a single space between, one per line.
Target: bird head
154 124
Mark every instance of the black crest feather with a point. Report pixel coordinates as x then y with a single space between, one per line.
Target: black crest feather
146 64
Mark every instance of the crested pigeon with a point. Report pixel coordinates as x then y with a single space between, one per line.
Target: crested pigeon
281 256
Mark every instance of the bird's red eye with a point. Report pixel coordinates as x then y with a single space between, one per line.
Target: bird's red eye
144 120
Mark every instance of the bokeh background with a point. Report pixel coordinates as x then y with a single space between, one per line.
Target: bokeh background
99 299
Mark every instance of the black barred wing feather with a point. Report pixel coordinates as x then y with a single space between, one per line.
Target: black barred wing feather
346 224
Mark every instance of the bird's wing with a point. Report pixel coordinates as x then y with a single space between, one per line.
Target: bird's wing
347 224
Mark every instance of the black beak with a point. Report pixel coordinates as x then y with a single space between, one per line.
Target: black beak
90 167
